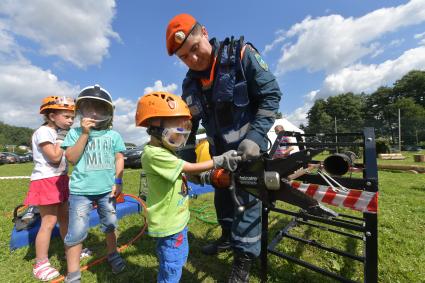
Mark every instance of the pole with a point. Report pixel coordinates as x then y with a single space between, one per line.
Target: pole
336 137
399 131
417 140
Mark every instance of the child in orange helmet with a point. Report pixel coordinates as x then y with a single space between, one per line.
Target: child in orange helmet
48 188
167 118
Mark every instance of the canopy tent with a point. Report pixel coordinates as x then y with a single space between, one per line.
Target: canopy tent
288 126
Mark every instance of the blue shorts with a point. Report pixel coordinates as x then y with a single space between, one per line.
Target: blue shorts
79 216
172 252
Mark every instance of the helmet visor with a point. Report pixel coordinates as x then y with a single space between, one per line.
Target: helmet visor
94 109
176 137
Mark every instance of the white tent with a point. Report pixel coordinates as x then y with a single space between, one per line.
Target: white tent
288 126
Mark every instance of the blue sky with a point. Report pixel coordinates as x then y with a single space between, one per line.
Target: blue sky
315 48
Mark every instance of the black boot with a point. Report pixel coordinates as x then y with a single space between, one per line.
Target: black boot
240 269
220 245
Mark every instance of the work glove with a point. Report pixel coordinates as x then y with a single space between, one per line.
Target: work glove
228 160
61 135
249 149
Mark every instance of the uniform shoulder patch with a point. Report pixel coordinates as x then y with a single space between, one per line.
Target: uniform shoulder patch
260 61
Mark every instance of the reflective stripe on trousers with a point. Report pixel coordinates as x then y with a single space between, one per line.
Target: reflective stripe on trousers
245 227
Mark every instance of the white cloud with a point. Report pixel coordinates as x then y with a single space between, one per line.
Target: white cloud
158 86
332 42
367 78
22 87
125 111
78 31
396 42
299 115
124 122
280 37
420 37
362 78
68 29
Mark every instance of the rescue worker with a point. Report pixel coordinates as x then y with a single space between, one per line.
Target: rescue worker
231 91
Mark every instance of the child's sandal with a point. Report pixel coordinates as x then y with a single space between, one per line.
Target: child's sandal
44 271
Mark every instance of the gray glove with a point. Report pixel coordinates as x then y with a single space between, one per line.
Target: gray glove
61 134
249 149
228 160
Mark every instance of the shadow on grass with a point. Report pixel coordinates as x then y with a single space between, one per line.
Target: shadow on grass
417 188
142 264
281 270
348 269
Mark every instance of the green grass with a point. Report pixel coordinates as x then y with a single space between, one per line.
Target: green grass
401 244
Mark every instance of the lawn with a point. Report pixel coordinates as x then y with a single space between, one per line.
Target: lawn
401 244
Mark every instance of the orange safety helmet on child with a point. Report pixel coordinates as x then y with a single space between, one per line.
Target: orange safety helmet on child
160 104
57 103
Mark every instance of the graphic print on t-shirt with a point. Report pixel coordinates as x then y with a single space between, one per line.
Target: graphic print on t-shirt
99 154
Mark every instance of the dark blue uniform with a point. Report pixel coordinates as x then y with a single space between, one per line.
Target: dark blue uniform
239 103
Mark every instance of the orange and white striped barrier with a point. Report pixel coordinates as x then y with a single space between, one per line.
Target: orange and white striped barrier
353 199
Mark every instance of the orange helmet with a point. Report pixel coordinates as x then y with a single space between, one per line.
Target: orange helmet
160 104
57 103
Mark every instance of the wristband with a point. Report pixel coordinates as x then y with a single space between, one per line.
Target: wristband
118 181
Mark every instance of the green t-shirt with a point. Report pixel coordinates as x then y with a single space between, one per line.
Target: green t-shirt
94 173
168 202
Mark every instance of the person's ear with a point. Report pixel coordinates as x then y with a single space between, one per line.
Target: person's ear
51 116
204 31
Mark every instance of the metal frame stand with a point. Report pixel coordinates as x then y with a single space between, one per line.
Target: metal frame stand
364 228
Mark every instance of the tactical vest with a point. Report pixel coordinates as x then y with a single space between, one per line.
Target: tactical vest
223 107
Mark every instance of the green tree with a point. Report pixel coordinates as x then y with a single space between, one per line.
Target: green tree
15 135
318 120
412 119
346 108
411 85
377 114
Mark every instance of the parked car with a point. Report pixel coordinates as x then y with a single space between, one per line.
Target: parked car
3 159
411 148
10 157
28 155
132 157
19 158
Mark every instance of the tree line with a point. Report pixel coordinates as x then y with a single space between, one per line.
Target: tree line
352 112
11 135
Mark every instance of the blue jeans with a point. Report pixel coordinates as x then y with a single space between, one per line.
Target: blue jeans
79 216
172 252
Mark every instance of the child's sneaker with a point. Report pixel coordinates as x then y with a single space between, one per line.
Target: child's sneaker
73 277
116 262
85 253
44 271
29 214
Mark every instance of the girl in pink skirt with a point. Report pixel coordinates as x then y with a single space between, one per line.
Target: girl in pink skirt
49 179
